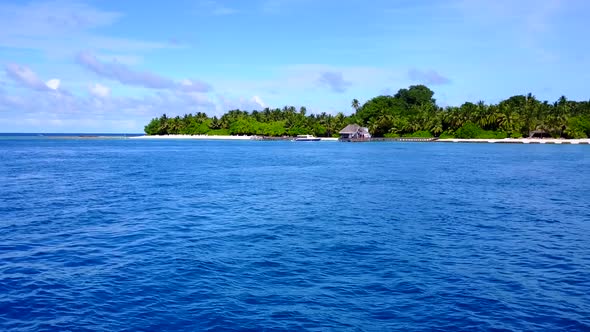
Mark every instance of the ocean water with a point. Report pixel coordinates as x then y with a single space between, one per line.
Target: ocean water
127 235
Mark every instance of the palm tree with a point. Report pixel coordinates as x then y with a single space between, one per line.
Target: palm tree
481 115
200 117
174 125
329 123
266 114
355 105
215 123
339 121
531 110
163 125
437 128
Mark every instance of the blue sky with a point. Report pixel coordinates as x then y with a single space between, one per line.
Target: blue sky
111 66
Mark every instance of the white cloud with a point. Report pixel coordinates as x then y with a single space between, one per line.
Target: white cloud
53 84
129 76
27 77
259 101
58 28
245 104
92 113
99 90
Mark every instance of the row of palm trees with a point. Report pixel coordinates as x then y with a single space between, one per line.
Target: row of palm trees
517 116
293 121
407 112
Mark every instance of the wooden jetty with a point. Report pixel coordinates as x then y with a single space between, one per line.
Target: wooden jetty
354 140
411 139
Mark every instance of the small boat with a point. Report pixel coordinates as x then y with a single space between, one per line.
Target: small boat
306 138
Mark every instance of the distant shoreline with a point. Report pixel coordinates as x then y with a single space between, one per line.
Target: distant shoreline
401 139
225 137
196 137
92 136
517 140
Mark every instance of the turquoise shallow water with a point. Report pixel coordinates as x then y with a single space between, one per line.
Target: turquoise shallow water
194 235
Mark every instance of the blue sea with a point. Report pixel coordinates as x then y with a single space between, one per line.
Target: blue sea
148 235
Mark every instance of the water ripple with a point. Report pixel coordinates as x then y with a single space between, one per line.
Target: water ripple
124 235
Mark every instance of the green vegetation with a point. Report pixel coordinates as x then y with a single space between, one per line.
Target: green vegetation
287 121
411 112
471 130
420 134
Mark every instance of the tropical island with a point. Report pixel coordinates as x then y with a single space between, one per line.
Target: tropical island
411 112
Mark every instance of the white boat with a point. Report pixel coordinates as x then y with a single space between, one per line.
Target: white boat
306 138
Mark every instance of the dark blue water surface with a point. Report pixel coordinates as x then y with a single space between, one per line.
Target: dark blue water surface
109 235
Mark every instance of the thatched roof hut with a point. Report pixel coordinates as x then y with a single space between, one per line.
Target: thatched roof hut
354 131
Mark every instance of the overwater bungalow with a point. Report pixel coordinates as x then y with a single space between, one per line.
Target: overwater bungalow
354 132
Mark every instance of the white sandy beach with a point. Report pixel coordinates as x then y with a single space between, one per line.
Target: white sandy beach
201 137
332 139
215 137
518 140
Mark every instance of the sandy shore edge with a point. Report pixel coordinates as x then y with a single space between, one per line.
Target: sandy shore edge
331 139
517 140
215 137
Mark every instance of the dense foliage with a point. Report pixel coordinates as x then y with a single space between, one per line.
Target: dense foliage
411 112
287 121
